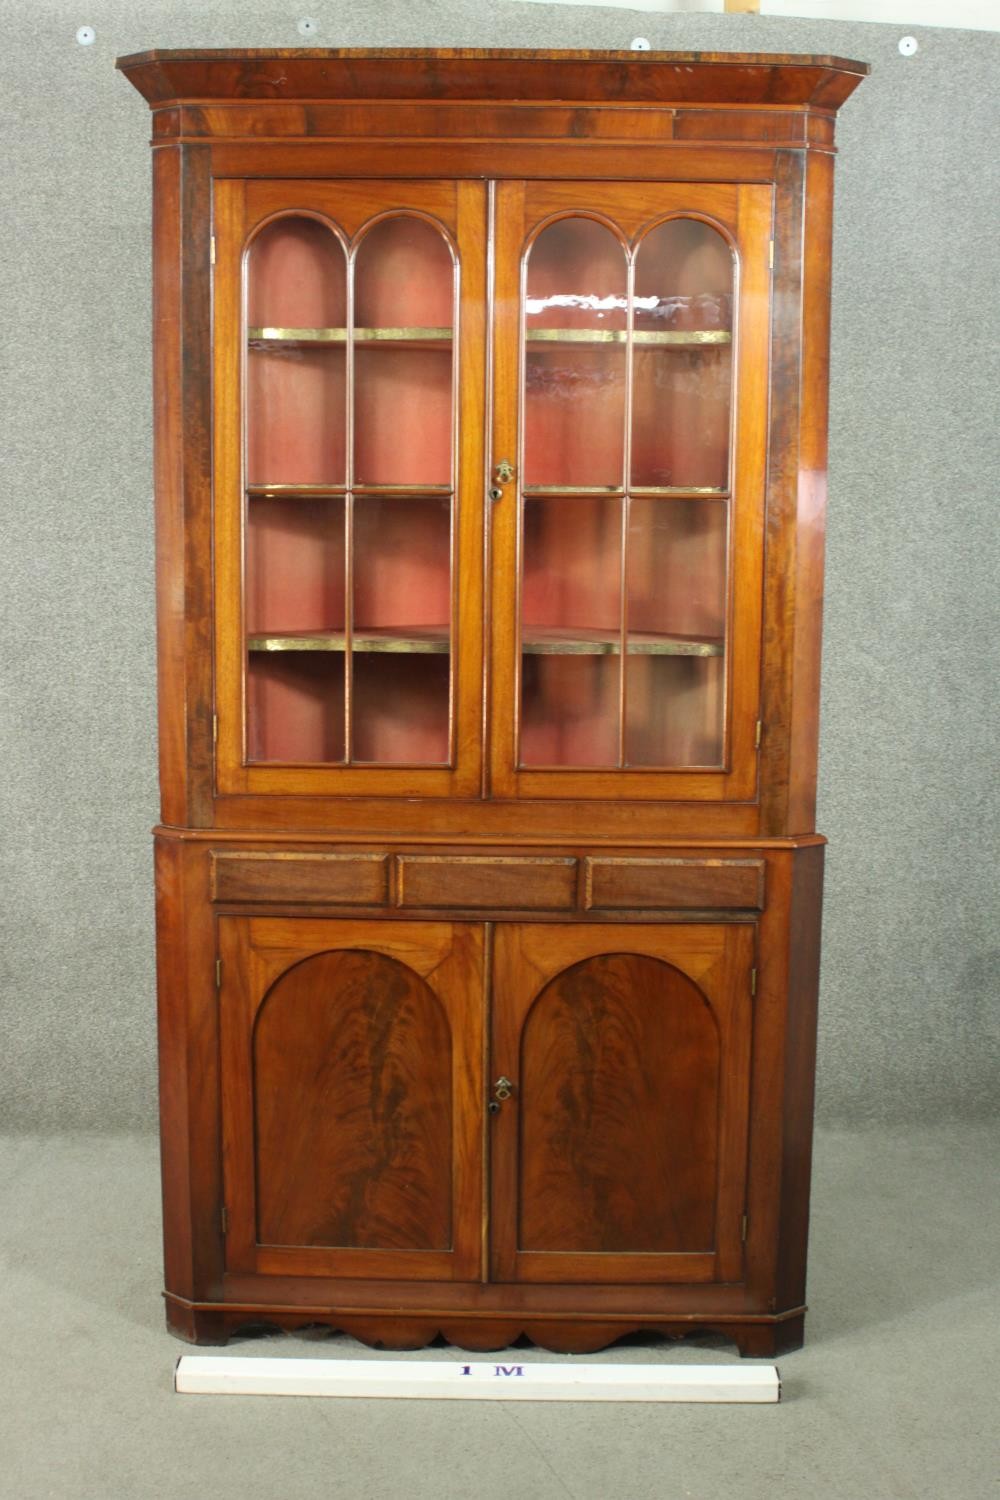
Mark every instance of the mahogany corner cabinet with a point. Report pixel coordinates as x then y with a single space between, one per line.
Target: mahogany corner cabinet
490 394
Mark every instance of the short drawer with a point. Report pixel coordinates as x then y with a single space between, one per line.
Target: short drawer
648 884
481 881
326 879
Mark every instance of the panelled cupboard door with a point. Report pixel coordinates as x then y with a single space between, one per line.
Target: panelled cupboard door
629 443
352 1097
349 375
620 1075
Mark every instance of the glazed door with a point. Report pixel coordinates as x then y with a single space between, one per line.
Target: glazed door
620 1075
631 357
352 1097
348 480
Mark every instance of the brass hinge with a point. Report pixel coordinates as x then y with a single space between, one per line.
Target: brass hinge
218 973
744 1224
758 734
753 982
211 250
225 1219
770 255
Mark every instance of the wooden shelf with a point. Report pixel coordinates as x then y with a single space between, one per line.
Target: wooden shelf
369 338
551 640
676 338
413 640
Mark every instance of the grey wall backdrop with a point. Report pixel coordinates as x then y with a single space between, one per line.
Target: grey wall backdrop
909 1022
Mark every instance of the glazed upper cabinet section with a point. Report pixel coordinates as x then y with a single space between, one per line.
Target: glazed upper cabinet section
341 516
628 330
632 322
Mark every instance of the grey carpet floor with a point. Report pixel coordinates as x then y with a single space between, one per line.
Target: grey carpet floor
893 1396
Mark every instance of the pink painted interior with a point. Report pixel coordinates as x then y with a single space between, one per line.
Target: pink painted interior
402 415
572 561
402 561
296 277
404 276
295 565
677 566
574 416
295 706
296 415
569 710
400 708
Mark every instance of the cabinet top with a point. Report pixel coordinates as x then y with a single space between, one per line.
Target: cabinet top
166 77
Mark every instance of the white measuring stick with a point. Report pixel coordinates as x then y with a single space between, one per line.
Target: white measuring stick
481 1381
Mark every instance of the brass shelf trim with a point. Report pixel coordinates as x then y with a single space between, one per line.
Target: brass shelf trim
415 640
666 337
541 640
269 335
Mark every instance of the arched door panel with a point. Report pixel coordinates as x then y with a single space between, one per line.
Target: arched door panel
352 1097
620 1153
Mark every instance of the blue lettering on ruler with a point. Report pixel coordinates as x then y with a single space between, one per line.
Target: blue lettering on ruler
509 1370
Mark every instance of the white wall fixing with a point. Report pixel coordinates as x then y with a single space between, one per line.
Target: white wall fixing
479 1381
86 36
908 45
307 26
640 44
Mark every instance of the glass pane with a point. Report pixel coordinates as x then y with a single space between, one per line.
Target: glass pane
683 357
296 388
403 316
402 629
295 706
675 711
400 708
295 594
677 551
575 357
295 565
569 710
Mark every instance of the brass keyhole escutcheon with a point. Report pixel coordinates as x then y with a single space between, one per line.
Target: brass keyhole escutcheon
502 1089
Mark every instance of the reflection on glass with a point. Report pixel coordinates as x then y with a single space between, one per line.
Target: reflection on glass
296 386
683 357
675 711
575 356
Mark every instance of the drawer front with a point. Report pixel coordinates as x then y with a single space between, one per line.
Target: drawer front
659 884
334 879
483 881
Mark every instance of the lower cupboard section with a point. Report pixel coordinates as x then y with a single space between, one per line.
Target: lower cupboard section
360 1125
563 1130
